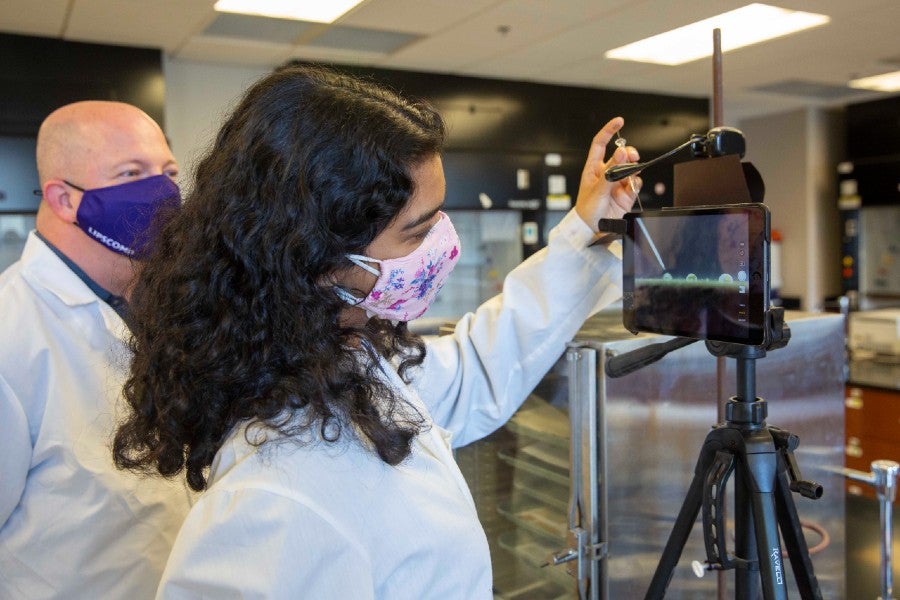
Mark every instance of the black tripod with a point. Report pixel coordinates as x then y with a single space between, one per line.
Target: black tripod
766 473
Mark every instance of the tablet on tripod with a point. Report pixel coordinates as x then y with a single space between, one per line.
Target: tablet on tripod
700 272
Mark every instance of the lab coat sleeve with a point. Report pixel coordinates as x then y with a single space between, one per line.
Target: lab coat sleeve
253 543
15 451
473 380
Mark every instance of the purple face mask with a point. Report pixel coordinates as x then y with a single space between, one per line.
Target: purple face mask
120 216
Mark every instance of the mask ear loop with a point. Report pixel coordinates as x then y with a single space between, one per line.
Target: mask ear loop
360 261
70 184
80 189
346 296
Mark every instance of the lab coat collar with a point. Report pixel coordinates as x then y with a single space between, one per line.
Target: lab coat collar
44 270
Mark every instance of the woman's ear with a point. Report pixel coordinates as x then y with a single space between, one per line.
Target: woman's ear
56 194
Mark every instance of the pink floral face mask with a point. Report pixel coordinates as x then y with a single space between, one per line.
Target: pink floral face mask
407 285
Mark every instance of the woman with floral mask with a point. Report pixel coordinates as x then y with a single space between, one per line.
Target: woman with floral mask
274 365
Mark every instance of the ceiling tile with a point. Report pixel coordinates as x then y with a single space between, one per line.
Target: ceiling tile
414 16
231 51
158 24
20 16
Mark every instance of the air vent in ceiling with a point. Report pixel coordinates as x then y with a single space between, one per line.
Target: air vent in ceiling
810 89
261 29
362 40
284 31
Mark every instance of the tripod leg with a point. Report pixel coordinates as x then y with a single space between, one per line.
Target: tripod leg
746 579
794 540
760 470
771 565
690 508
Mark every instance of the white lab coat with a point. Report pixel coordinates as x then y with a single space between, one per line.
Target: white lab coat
71 525
325 521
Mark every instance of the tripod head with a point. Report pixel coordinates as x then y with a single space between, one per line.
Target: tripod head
777 335
745 409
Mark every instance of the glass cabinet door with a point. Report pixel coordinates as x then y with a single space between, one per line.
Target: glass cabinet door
14 229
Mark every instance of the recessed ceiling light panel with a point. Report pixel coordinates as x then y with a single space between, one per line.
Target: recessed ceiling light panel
888 82
317 11
741 27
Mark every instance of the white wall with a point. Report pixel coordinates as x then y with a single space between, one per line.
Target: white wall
797 154
198 97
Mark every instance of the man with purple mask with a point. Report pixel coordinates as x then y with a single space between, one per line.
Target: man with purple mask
71 524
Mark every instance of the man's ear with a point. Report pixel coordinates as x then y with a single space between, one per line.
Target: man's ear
56 195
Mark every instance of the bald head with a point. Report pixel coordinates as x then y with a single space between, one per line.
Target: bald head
79 137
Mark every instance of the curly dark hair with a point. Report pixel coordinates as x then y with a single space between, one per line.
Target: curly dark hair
233 316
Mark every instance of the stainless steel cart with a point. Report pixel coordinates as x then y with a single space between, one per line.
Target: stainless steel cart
626 449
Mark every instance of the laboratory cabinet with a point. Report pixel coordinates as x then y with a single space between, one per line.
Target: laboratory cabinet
627 447
872 410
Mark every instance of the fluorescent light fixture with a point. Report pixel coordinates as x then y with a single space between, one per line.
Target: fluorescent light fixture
888 82
317 11
741 27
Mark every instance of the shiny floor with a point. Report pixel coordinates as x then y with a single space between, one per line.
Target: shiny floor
863 548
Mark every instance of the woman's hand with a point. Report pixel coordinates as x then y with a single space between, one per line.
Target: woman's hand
597 197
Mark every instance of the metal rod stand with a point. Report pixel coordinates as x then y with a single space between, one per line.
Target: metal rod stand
884 478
